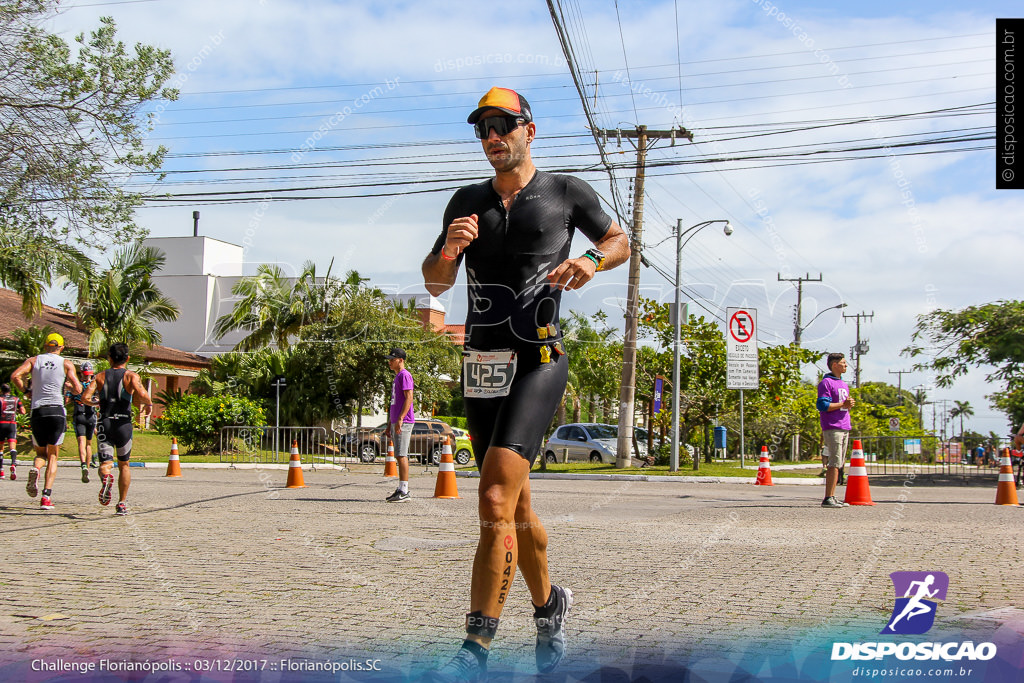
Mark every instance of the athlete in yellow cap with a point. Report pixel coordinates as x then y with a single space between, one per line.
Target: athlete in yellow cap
50 373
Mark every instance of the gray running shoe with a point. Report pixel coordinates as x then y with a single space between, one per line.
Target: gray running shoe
30 488
463 667
550 634
85 473
832 502
397 497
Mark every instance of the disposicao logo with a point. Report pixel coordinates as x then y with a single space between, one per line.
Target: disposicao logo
914 614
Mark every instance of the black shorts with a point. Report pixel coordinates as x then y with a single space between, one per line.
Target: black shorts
85 426
48 426
114 435
8 431
518 421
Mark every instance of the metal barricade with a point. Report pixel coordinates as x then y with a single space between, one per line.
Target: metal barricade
268 444
923 455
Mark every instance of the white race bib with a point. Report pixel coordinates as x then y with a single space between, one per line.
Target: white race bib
488 374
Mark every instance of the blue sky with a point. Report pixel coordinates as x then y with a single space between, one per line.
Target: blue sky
897 236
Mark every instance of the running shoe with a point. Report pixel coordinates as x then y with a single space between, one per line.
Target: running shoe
832 502
550 634
106 484
121 510
14 473
95 462
397 497
464 666
45 504
85 473
30 488
1 472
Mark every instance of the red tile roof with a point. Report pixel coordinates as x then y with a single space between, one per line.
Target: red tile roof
457 333
76 340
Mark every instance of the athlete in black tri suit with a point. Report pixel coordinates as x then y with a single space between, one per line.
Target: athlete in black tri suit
514 233
84 419
115 388
10 408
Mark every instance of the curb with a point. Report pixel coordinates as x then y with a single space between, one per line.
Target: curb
659 478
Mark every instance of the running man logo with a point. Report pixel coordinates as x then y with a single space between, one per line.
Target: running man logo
914 613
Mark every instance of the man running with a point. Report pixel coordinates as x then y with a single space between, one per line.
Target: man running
10 407
84 419
115 388
400 421
50 373
514 233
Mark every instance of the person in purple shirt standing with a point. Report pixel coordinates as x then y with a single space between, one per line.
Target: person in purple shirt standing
834 404
400 421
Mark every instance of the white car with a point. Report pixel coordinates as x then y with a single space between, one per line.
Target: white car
585 441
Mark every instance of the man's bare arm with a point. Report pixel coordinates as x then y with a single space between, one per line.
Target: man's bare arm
19 374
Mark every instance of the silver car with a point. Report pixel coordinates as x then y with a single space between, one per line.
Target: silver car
593 442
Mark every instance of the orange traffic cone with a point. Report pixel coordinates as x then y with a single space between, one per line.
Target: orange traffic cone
1006 490
764 470
295 469
445 486
857 490
173 464
390 464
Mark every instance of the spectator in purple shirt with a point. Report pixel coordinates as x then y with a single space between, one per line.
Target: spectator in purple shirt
400 421
834 404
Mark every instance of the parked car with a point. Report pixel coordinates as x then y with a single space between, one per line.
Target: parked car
463 446
426 442
588 441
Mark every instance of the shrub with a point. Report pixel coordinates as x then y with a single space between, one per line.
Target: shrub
663 452
196 420
453 420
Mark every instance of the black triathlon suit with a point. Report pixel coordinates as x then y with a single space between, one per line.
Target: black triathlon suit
84 417
8 418
114 431
510 298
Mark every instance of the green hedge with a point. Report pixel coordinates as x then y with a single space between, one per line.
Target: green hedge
196 420
453 420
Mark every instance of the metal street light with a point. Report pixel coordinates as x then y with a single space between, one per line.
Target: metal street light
679 233
800 330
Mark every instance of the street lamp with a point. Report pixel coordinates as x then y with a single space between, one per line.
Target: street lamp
679 234
799 330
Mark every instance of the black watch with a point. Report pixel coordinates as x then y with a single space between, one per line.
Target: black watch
597 256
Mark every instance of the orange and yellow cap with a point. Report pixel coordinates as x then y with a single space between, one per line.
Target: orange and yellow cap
54 340
508 101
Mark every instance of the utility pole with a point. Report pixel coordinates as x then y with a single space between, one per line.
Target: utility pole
862 347
627 391
799 298
899 390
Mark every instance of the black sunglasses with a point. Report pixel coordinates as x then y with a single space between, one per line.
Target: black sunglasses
502 125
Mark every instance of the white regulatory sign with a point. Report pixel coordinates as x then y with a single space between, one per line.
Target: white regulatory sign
742 370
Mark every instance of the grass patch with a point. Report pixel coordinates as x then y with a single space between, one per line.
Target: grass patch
147 446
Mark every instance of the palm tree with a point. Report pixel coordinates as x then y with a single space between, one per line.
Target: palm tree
122 303
30 263
21 344
961 409
273 307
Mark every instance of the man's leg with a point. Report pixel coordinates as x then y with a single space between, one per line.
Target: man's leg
106 478
124 479
83 456
532 540
502 479
52 452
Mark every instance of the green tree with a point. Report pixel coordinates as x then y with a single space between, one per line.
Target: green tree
122 303
987 335
961 409
273 307
21 344
30 263
595 362
73 127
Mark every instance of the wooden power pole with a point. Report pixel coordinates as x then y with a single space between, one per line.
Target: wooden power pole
627 391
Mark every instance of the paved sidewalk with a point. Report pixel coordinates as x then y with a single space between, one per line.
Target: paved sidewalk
227 561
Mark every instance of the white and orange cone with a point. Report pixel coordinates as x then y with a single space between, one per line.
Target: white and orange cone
390 464
764 470
445 486
857 490
295 480
1006 489
173 463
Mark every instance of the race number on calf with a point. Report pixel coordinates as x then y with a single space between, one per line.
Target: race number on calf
488 374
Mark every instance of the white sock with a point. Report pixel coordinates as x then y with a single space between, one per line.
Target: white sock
403 486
